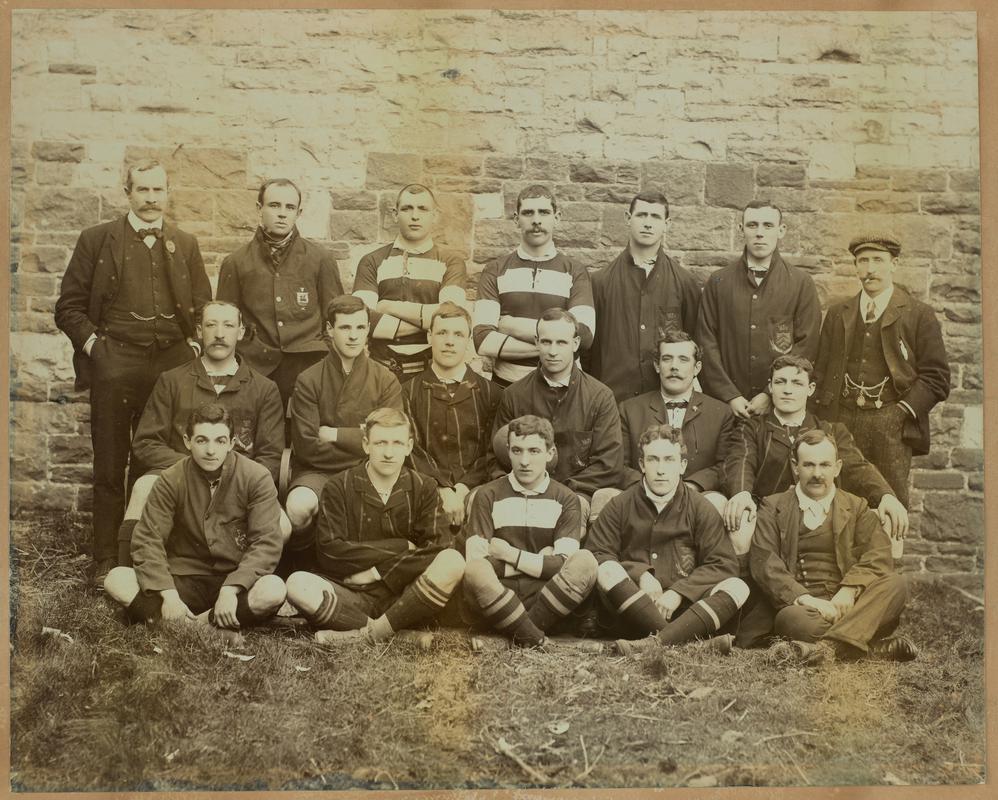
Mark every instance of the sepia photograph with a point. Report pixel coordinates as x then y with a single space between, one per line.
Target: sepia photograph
479 399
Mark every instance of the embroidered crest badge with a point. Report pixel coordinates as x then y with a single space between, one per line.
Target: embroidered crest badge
301 297
782 336
171 248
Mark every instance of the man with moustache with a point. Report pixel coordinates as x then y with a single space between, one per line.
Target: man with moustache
281 283
253 403
128 302
514 290
452 409
752 311
524 570
208 539
640 296
666 566
581 409
823 563
404 282
881 365
329 405
381 549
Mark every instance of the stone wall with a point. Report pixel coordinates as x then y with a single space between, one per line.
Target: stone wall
844 120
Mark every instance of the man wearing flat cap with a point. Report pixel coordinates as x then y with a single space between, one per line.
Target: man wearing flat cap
881 364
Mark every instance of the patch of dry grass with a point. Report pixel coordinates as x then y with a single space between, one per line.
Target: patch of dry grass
135 708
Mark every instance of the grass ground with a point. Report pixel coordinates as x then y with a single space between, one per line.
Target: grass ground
115 707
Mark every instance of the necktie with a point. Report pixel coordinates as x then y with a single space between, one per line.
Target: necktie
677 404
145 232
758 274
871 311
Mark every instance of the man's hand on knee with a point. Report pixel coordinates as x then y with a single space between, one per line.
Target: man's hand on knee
225 607
173 607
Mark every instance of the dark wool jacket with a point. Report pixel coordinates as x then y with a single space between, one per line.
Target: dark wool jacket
284 308
631 312
452 440
742 328
758 459
91 284
325 396
913 346
586 427
862 549
184 530
251 399
708 426
356 531
685 547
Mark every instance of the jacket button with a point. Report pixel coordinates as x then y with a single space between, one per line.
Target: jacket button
654 555
280 324
278 298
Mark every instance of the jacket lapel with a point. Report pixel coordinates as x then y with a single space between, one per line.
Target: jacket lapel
657 406
849 317
693 409
840 523
118 233
894 308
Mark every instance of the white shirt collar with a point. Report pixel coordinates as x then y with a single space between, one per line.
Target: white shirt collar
402 244
647 264
138 224
815 511
879 303
549 252
231 370
794 421
519 489
461 377
555 384
659 501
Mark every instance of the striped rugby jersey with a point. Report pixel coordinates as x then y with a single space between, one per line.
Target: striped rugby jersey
517 287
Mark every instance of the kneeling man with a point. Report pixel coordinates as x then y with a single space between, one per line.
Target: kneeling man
823 561
666 565
523 549
209 536
381 544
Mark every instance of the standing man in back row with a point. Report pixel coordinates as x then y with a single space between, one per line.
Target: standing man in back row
282 283
752 311
404 282
515 289
642 295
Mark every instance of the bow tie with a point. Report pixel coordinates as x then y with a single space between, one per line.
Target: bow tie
759 273
144 232
677 404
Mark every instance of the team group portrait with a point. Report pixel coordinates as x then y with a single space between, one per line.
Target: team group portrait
486 400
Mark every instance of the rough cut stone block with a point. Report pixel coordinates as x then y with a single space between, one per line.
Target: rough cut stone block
463 184
964 180
353 226
392 170
592 172
496 234
577 234
72 69
59 151
49 173
957 289
28 497
888 203
729 185
60 209
952 203
946 564
354 200
609 193
682 182
193 206
453 165
700 229
504 167
581 212
236 212
780 175
553 168
29 457
938 480
953 517
456 214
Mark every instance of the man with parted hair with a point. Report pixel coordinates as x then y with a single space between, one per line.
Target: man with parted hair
382 554
330 402
513 291
128 302
823 563
525 572
581 410
209 538
752 311
666 566
404 282
452 409
253 403
639 296
281 282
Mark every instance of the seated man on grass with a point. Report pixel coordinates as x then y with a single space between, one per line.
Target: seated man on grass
381 544
666 566
822 560
208 539
525 572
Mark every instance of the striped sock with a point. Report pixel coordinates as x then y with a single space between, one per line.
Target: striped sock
703 618
635 607
557 599
506 613
333 615
421 600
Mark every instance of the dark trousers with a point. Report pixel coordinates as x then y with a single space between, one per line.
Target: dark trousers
877 432
287 372
122 377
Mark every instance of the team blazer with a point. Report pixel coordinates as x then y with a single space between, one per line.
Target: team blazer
862 549
92 278
707 428
913 346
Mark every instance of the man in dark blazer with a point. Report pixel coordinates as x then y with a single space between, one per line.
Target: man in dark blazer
639 296
823 563
707 424
128 303
882 364
752 311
